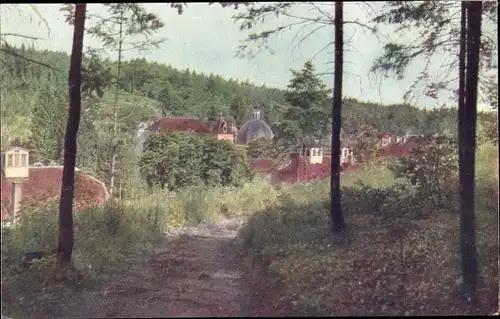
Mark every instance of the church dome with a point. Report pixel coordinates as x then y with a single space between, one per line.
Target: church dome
252 130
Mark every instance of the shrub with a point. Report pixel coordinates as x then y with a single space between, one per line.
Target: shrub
266 148
433 168
179 160
366 149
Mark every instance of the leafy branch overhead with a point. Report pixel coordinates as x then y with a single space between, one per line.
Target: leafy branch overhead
138 27
308 17
436 29
96 76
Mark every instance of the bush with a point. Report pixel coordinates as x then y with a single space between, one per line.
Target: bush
179 160
366 149
432 168
266 148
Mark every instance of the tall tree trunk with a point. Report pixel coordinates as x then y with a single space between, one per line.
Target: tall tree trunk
338 223
115 111
65 245
461 78
468 149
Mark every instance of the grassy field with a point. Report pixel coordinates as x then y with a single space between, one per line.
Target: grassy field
399 256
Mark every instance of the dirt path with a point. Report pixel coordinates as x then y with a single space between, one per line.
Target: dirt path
196 273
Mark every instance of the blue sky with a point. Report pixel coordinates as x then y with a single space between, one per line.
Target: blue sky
205 38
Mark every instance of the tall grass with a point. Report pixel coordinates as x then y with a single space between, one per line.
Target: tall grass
399 256
107 235
109 238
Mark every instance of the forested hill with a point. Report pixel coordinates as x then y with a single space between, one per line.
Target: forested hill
34 99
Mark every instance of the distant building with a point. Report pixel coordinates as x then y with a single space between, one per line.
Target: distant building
306 164
253 130
180 124
223 130
312 150
44 183
383 138
347 157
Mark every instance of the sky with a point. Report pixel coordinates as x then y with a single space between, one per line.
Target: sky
205 39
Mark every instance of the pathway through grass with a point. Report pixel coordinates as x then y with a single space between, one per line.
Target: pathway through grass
196 272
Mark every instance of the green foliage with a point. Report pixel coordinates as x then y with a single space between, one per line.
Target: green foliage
433 168
180 160
394 240
33 99
96 75
309 112
239 109
492 132
436 31
266 148
366 149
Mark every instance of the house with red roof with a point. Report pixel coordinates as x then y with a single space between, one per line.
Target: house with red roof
383 138
263 167
179 124
307 163
223 130
44 183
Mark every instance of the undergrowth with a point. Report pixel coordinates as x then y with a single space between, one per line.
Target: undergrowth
109 238
399 255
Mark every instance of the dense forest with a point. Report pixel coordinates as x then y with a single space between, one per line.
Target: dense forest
34 106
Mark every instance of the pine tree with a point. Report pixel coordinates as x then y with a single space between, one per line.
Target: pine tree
306 95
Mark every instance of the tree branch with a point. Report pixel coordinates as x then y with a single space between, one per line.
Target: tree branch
11 52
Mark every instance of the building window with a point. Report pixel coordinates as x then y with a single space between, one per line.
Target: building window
224 129
314 152
10 160
17 160
24 160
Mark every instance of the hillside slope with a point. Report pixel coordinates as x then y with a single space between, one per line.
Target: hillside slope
34 100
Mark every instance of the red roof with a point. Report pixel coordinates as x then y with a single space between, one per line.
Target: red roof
217 127
300 169
45 183
398 150
182 124
263 165
375 134
382 134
